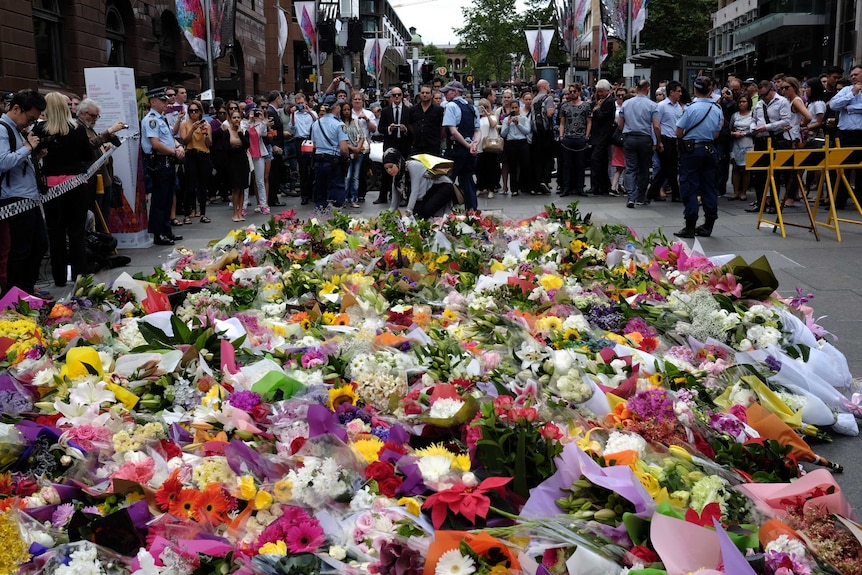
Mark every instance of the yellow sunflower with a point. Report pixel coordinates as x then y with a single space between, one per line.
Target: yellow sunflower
339 395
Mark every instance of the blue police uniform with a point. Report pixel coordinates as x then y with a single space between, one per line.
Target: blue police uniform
329 163
465 118
161 172
698 161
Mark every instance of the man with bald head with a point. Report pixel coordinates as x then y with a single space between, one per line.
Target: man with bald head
542 149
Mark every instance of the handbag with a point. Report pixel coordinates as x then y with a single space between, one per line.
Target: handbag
493 144
617 138
307 147
376 152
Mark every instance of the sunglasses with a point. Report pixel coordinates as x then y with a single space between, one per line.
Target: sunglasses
193 110
233 107
171 95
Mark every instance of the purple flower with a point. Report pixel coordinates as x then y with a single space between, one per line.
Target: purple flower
396 558
772 363
640 326
244 400
313 358
14 403
62 515
726 423
605 316
652 404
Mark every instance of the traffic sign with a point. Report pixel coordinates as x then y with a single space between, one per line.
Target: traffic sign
442 70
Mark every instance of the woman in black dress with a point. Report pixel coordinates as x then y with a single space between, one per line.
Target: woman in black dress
68 154
235 144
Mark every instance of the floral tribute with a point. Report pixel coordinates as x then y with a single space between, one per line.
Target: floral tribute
452 397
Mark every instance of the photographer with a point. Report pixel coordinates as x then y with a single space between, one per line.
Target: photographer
68 154
196 136
261 159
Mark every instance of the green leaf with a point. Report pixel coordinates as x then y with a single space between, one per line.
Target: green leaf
90 369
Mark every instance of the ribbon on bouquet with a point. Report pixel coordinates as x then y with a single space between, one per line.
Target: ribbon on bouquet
54 192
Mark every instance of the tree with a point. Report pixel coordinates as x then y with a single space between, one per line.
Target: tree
680 27
486 37
434 55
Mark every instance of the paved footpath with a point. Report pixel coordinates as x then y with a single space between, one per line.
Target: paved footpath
828 269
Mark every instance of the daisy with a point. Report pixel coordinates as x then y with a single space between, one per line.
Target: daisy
169 491
304 537
453 563
368 447
186 504
213 504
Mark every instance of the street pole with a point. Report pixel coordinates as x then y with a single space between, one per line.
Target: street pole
415 71
280 50
210 72
317 47
629 35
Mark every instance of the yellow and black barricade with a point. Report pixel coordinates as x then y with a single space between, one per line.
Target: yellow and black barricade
835 161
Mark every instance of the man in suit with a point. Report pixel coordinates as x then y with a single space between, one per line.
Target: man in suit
278 135
604 110
393 126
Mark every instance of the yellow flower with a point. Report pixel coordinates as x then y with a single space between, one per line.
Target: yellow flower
215 394
551 281
462 462
305 324
247 488
368 447
77 361
338 237
577 245
442 259
283 491
434 449
615 337
262 500
679 499
277 548
411 504
500 570
549 323
656 379
339 395
497 266
680 452
649 482
328 318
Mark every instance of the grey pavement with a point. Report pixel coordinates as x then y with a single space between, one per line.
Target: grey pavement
827 269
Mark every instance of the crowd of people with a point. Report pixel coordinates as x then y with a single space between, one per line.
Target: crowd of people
643 143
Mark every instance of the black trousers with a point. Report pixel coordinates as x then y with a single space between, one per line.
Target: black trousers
28 246
276 175
668 170
600 180
435 201
66 217
198 170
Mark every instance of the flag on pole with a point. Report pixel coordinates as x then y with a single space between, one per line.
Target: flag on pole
282 33
603 44
192 21
639 14
579 20
539 42
306 16
373 53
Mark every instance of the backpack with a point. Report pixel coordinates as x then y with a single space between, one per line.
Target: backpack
541 122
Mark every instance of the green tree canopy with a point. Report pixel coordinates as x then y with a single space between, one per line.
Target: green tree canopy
488 38
680 27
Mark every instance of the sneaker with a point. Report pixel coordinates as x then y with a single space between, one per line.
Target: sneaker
630 205
490 195
354 204
257 210
264 210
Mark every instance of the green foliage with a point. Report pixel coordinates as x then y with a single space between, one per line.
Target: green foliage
680 27
487 37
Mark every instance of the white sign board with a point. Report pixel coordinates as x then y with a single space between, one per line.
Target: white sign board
113 89
628 70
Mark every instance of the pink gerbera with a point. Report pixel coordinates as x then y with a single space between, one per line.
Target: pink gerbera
304 537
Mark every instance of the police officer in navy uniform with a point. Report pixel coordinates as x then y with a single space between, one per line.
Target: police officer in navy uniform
330 157
697 128
161 152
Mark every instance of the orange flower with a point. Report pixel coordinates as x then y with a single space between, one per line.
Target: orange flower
341 319
168 492
60 311
213 504
186 504
299 316
619 416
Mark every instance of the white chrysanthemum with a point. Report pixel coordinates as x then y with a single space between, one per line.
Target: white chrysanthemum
445 408
453 563
434 467
44 377
620 441
577 322
785 544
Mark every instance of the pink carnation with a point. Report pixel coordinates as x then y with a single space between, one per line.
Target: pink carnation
90 437
140 473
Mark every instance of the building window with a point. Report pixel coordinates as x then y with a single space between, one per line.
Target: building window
367 7
47 32
369 24
115 32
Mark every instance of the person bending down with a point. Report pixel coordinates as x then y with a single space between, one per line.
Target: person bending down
427 196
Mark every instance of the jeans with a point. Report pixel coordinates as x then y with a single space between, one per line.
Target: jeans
668 169
697 178
328 182
354 170
638 151
259 168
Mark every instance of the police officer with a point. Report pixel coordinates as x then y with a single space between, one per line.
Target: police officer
697 128
161 152
330 157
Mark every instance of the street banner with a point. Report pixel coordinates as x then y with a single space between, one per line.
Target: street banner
572 23
603 44
282 33
192 21
306 16
373 53
618 11
113 89
539 42
639 14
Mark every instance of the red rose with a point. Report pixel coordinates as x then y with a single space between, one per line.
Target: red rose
412 407
379 470
389 485
644 554
297 444
171 449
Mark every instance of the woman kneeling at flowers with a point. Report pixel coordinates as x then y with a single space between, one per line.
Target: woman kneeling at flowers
427 196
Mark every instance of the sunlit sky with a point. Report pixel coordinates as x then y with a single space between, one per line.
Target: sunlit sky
435 19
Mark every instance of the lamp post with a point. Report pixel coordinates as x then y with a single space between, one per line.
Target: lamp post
210 72
416 43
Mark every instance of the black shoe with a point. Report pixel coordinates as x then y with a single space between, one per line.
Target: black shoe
582 194
564 194
754 208
658 199
546 189
676 200
291 194
381 201
161 240
630 205
685 233
702 231
770 210
277 204
305 201
176 238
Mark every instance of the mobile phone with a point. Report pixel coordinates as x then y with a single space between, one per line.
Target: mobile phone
125 126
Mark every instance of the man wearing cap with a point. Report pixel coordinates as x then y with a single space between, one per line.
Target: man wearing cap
330 158
641 129
393 126
697 128
750 87
462 122
161 152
